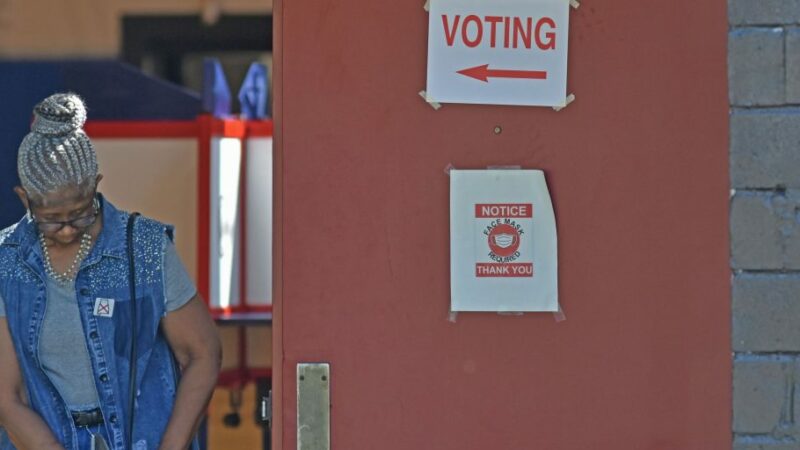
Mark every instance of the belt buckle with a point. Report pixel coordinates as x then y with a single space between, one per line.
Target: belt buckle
87 418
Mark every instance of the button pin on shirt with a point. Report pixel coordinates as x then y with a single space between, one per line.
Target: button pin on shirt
104 307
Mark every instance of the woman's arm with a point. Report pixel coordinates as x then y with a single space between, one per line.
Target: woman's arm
193 338
26 429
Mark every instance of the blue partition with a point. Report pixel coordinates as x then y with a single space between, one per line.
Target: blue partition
112 90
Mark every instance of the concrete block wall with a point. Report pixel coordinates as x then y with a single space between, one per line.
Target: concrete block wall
764 91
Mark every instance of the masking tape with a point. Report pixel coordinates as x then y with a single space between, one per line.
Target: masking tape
573 3
448 168
430 101
570 98
452 317
504 167
559 315
427 6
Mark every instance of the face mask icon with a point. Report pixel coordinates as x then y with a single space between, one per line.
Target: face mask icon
504 240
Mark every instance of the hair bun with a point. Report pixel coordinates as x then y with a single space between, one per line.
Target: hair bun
59 115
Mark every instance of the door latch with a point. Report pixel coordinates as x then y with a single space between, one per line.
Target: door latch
265 410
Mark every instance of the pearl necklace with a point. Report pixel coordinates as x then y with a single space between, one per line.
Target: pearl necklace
66 277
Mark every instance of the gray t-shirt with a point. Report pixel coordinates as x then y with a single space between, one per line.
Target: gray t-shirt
68 366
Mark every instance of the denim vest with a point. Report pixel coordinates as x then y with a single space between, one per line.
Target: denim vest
102 275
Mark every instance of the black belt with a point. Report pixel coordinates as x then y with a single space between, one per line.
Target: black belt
87 418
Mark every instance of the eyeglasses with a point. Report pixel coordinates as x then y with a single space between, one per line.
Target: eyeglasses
78 223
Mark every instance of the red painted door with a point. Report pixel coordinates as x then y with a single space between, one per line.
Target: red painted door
637 168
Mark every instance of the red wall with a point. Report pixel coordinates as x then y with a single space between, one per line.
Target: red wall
637 167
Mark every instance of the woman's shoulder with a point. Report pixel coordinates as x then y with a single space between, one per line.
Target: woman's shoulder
15 234
154 227
11 265
144 225
7 247
6 232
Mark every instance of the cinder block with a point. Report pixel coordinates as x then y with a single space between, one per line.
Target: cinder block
764 230
756 67
762 395
766 308
787 207
764 148
793 66
763 12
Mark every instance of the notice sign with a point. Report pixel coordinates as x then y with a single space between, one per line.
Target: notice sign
503 52
502 229
503 242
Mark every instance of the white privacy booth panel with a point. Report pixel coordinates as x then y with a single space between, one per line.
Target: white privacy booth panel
258 222
225 223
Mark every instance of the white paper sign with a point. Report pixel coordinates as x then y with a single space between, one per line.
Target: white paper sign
501 52
503 244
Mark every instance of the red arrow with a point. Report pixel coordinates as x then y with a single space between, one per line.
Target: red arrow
484 72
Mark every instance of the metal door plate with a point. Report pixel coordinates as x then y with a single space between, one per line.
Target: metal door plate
313 406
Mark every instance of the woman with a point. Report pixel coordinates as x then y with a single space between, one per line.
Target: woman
66 310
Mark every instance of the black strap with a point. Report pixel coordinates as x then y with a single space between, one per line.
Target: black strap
132 283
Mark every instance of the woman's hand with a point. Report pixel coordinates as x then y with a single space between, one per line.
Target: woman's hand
26 429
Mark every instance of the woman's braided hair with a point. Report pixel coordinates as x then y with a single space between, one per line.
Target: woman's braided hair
57 153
